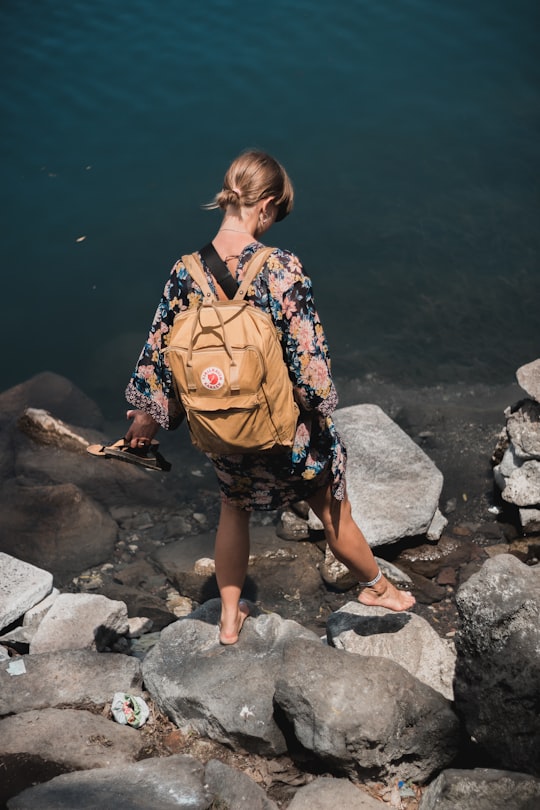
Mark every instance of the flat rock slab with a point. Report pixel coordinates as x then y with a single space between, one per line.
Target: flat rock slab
69 678
21 587
61 740
404 638
171 783
481 789
393 486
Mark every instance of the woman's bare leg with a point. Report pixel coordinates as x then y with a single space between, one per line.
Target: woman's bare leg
231 556
350 547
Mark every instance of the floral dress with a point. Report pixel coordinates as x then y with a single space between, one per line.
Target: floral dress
258 481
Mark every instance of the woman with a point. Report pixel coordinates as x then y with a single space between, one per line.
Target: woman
256 193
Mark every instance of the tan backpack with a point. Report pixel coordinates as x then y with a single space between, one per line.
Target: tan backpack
228 369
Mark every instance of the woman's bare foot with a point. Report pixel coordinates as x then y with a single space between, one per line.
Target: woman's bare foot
229 630
386 595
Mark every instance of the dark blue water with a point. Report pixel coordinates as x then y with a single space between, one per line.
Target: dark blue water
411 129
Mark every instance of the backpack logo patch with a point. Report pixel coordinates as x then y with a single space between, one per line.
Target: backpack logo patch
212 378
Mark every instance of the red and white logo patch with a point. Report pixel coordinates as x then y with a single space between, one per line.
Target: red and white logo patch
212 378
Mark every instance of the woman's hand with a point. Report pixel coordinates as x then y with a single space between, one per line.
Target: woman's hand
142 429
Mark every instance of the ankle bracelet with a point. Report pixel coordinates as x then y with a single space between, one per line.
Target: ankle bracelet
371 582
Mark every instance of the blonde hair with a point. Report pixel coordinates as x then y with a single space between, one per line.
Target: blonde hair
251 177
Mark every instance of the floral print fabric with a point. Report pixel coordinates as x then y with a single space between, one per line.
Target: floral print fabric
261 481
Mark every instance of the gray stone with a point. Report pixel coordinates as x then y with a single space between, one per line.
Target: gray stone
481 789
393 486
222 692
528 376
523 486
530 519
404 638
72 739
437 526
55 526
523 426
78 621
73 678
234 789
326 793
366 716
168 783
21 587
498 663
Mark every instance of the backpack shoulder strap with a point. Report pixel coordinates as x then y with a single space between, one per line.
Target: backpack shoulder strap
193 265
219 270
253 267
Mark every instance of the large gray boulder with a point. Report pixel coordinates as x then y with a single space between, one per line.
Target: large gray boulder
70 678
404 638
497 684
222 692
394 488
481 789
170 783
365 716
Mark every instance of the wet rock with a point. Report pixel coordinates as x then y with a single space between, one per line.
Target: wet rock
292 527
171 783
393 486
75 678
404 638
498 665
80 621
54 526
278 574
21 587
428 559
412 734
481 789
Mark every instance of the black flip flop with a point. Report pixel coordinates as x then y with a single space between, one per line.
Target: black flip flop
148 456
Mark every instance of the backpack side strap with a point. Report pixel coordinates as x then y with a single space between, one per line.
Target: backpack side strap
253 267
193 265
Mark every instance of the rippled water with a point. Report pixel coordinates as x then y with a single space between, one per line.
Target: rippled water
410 128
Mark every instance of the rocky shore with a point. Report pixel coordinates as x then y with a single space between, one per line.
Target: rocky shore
123 557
